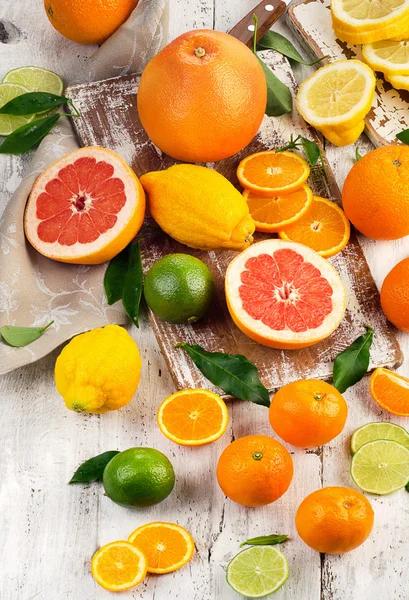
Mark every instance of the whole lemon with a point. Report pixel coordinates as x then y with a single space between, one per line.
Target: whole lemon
98 370
199 207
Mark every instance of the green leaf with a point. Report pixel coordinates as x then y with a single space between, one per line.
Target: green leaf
279 99
21 336
312 151
275 41
403 136
93 468
352 363
407 487
233 373
33 103
27 136
124 280
265 540
358 155
115 276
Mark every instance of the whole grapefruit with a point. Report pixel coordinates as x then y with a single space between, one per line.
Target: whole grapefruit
203 97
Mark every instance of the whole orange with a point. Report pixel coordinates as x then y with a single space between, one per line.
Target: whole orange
308 413
334 520
255 470
203 97
375 197
395 295
88 21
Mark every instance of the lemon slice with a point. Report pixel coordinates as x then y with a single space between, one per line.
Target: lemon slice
397 31
389 57
367 15
343 137
399 82
9 123
337 95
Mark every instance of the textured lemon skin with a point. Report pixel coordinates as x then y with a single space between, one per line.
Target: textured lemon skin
98 370
199 207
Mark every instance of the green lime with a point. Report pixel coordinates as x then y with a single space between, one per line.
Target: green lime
381 467
139 477
36 79
379 431
8 123
257 571
179 288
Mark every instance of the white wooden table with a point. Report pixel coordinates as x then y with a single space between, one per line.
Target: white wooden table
49 530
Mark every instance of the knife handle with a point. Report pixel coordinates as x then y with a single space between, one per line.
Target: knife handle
267 12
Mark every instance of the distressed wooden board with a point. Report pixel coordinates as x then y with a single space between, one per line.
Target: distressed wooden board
110 119
310 21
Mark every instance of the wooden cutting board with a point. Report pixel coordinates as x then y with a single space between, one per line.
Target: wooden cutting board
110 119
310 21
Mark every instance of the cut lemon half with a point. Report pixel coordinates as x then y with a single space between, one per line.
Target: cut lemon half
389 57
341 136
338 94
379 431
381 467
9 123
274 213
167 546
119 566
324 228
367 15
271 173
193 417
399 82
390 391
36 79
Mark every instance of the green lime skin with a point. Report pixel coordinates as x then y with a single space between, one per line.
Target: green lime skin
179 288
138 477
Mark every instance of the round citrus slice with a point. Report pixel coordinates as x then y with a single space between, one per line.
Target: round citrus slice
277 212
324 228
272 173
379 431
389 57
284 295
399 82
381 467
257 571
85 208
396 30
367 15
343 137
119 566
193 417
36 79
9 123
167 546
390 391
338 94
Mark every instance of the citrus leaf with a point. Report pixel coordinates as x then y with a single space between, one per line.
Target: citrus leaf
312 150
21 336
133 284
233 373
115 276
352 363
279 99
403 136
32 103
27 136
358 155
265 540
275 41
93 468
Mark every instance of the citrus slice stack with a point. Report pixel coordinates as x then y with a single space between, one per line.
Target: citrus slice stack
284 295
390 391
119 566
85 208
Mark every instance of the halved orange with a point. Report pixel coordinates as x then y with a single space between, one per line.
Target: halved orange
279 211
324 228
119 566
193 417
390 391
167 546
271 173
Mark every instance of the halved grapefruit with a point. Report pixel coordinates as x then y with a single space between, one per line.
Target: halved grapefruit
85 208
284 295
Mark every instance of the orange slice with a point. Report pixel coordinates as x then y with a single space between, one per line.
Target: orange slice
390 391
277 212
119 566
167 546
324 228
271 173
193 417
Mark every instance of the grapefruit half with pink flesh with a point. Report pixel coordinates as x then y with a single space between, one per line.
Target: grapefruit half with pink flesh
85 208
284 295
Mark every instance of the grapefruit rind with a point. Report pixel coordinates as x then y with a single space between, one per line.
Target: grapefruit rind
285 339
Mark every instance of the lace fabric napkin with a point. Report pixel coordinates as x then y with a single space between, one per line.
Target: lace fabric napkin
33 289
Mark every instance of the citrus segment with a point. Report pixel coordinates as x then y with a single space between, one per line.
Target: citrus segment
379 431
258 571
381 467
390 391
36 79
284 295
388 56
276 212
119 566
269 173
85 208
167 546
324 228
193 417
9 123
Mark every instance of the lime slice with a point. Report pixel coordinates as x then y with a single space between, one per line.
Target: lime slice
8 123
381 467
379 431
257 571
36 79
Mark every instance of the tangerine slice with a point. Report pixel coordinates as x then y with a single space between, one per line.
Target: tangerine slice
119 566
276 212
390 391
167 546
272 173
324 228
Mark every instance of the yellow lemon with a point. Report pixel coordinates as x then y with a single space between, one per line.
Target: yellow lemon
199 207
98 370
